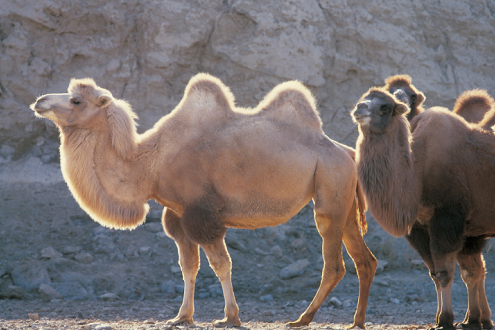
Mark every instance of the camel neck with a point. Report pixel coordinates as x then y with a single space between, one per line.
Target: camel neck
386 173
103 182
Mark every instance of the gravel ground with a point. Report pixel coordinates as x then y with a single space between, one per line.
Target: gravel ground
42 224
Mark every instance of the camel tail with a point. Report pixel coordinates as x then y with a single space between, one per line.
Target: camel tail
361 209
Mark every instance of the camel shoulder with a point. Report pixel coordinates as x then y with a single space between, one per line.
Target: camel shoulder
291 102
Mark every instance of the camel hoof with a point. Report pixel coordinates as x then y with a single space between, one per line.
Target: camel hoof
442 327
297 324
179 320
467 325
356 325
227 322
488 325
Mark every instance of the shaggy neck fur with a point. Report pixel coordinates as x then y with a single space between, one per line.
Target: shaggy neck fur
113 200
386 172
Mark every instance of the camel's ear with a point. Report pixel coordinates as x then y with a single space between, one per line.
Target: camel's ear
401 108
420 98
103 100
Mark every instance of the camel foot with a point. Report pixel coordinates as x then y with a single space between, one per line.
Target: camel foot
180 320
356 325
300 322
487 324
227 322
468 325
442 327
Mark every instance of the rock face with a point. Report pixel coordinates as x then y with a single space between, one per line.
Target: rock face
146 51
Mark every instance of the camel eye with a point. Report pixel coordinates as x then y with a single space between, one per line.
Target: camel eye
75 101
413 98
384 108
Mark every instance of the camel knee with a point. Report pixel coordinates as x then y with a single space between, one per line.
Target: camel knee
471 276
444 277
336 272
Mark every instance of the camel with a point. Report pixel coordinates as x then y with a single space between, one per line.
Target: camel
473 104
415 97
477 107
434 186
214 165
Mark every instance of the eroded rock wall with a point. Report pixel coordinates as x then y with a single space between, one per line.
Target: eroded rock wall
146 51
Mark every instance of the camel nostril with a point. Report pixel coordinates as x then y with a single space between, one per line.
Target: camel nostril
41 99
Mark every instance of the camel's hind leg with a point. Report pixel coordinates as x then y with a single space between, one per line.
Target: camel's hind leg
473 274
365 263
189 264
220 261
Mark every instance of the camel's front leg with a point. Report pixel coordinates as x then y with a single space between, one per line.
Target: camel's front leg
444 274
365 266
333 269
189 264
220 261
419 238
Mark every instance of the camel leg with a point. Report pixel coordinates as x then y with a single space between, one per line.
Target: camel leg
446 229
189 264
220 261
473 274
419 238
365 263
331 210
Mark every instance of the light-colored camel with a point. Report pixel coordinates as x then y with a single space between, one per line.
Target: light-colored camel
477 107
214 165
415 97
436 186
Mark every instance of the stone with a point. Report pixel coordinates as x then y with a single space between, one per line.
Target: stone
276 251
394 301
168 287
179 288
108 297
71 290
335 302
30 275
154 227
47 293
348 303
71 249
294 269
233 242
10 291
50 253
267 297
33 316
84 257
175 269
381 265
215 290
144 250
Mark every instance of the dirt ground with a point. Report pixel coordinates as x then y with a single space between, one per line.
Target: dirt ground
140 269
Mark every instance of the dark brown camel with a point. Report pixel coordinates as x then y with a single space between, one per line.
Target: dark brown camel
214 165
415 98
473 105
435 186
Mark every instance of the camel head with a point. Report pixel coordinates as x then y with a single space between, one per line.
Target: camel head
82 102
376 109
414 97
87 106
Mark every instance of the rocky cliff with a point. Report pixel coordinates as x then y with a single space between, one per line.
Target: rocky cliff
146 51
